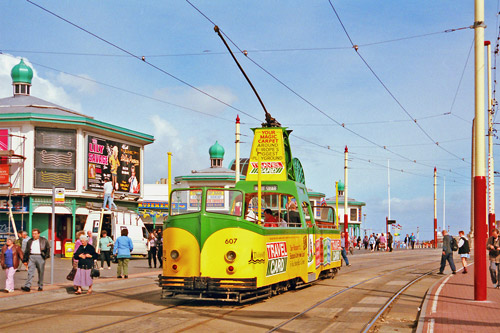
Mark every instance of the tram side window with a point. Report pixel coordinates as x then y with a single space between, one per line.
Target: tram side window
326 218
225 202
278 210
185 201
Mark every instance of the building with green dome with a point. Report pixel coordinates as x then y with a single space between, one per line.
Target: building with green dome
44 145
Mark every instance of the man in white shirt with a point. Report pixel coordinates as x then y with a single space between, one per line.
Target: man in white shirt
108 191
37 250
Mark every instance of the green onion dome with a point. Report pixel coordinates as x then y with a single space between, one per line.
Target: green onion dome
21 73
216 151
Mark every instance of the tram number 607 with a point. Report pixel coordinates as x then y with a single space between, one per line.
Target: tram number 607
231 240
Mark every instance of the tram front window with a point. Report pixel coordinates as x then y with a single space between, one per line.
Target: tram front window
225 202
185 201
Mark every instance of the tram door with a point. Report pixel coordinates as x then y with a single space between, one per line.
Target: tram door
311 244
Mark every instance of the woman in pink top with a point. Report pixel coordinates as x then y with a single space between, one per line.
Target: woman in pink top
383 241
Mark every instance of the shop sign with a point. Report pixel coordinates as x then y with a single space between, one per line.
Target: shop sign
215 198
116 161
4 173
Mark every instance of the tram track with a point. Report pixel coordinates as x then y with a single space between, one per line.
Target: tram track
330 297
98 304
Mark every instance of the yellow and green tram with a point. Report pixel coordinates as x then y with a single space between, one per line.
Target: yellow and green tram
217 248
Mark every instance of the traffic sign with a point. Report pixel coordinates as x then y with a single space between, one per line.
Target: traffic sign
59 195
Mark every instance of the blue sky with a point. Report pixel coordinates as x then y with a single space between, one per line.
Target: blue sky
422 73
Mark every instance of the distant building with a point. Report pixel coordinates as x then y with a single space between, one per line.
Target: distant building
354 213
44 145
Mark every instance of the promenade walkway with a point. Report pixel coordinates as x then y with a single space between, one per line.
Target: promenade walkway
450 306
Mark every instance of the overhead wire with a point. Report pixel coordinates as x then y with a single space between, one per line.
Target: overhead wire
356 48
208 52
143 59
460 83
306 100
127 90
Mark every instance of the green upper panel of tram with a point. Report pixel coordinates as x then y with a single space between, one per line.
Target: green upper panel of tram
21 73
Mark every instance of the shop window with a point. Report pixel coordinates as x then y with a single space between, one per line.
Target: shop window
354 214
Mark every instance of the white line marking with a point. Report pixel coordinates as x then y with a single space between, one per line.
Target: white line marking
438 291
431 326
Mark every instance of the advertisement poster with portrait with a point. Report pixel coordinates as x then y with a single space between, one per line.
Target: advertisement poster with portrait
115 161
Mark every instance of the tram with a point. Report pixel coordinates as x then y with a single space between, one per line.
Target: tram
220 245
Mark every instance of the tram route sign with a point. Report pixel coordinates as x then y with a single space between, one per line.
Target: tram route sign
269 143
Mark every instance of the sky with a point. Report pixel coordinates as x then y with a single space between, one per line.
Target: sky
410 64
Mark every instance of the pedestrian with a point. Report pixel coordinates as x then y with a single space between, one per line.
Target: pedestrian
24 241
382 242
407 242
105 244
343 252
463 250
493 245
78 243
122 249
389 241
412 240
365 242
37 251
11 256
159 242
86 255
377 242
108 190
372 242
447 253
90 237
152 248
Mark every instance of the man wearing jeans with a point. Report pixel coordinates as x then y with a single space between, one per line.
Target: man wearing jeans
343 252
37 250
493 246
447 254
108 190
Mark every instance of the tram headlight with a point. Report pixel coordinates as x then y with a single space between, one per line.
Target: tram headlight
174 254
230 256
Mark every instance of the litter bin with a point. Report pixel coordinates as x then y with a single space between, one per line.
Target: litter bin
69 249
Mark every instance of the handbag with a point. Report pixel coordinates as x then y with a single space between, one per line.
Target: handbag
71 275
94 272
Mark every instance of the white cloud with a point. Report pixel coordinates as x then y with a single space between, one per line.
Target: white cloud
191 98
41 88
80 84
168 139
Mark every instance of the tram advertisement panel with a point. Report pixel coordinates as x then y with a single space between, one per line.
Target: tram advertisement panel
269 143
115 161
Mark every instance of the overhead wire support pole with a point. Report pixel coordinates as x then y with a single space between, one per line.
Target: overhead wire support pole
435 209
480 207
346 221
491 168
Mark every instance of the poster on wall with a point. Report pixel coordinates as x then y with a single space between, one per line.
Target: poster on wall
55 158
115 161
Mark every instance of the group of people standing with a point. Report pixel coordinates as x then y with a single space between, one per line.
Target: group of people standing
155 248
85 255
33 252
378 242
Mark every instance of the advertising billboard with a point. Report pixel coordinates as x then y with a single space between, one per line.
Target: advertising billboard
115 161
